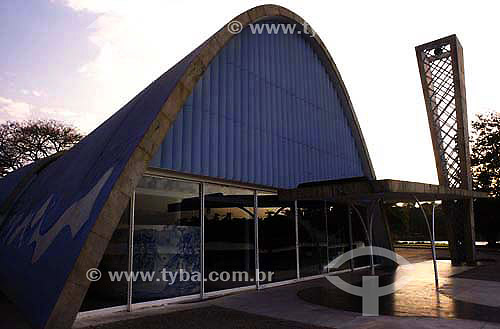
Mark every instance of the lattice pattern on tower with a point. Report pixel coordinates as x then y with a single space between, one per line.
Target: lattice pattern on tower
438 66
441 68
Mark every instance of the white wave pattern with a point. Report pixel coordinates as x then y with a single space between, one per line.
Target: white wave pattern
74 217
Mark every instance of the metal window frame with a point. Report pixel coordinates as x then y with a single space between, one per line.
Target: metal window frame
349 219
256 238
164 173
100 312
131 231
278 283
325 214
202 240
223 292
297 251
167 301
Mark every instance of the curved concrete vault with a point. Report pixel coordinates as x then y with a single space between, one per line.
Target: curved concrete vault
60 220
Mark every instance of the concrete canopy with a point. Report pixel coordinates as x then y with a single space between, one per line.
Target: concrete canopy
58 219
368 190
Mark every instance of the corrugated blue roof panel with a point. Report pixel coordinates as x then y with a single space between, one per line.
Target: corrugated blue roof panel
265 112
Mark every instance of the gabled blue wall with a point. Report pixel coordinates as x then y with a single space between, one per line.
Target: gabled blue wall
265 112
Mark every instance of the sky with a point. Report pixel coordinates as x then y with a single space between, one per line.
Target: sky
79 61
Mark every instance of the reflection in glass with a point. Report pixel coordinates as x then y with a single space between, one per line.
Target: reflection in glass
312 237
338 232
229 236
167 237
105 293
277 249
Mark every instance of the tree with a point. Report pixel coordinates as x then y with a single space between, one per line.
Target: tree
485 160
24 142
485 154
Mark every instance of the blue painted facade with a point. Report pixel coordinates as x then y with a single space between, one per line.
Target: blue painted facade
42 235
265 112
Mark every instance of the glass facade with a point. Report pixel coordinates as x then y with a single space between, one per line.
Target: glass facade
337 221
167 238
191 237
313 244
277 239
229 237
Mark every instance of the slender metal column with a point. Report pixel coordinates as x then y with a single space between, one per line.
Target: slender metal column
433 221
256 234
368 234
296 211
202 240
325 211
130 251
433 246
362 222
371 215
350 236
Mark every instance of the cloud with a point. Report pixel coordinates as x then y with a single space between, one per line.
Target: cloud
95 6
57 112
14 110
36 93
135 44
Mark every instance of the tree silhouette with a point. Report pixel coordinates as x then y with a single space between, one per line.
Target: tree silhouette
485 158
28 141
